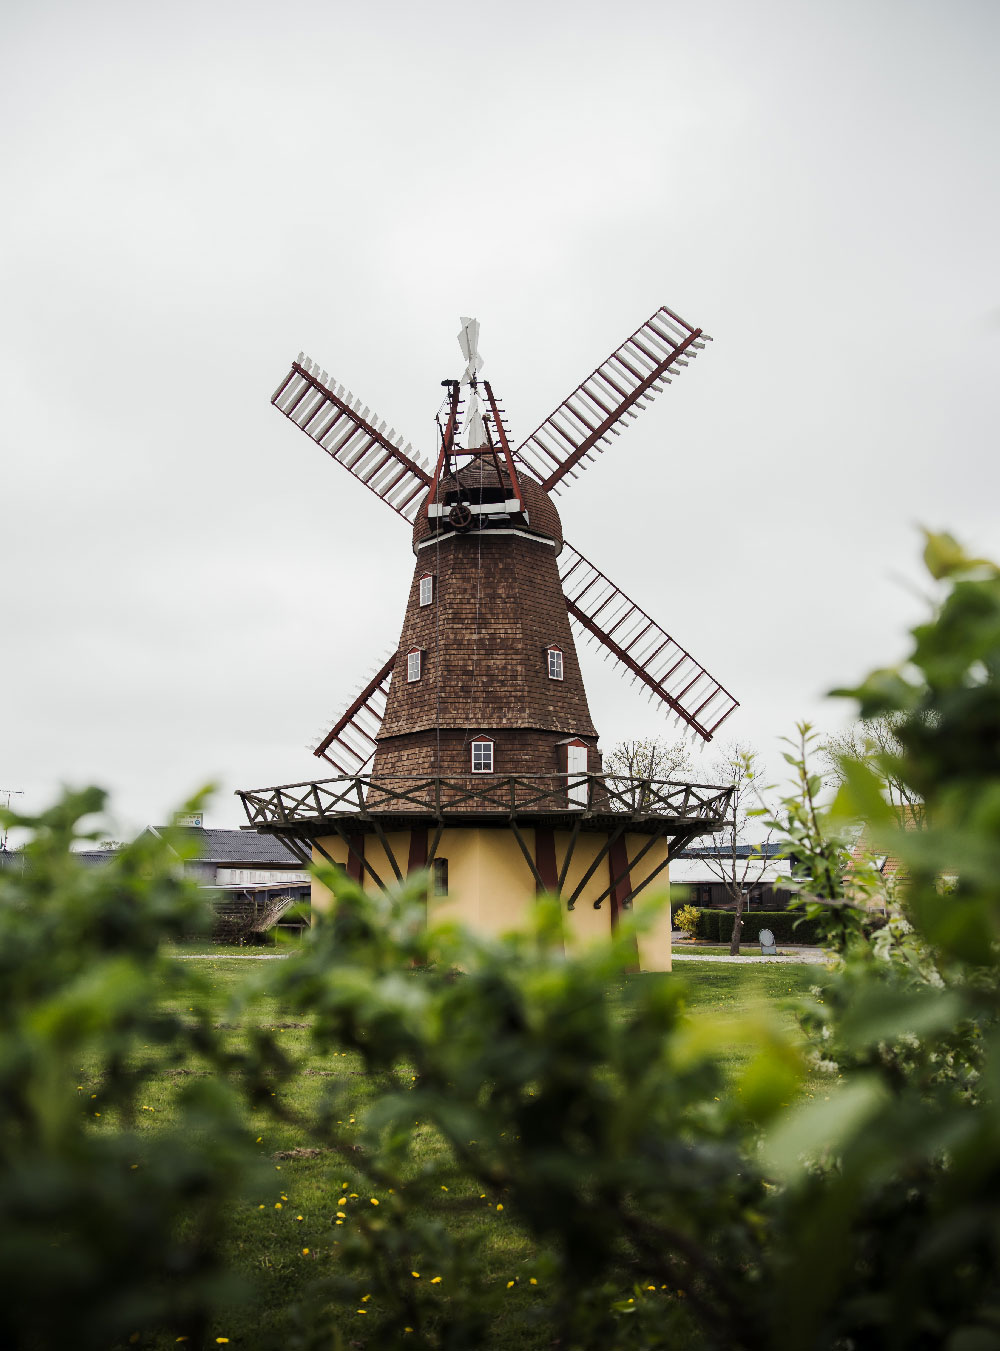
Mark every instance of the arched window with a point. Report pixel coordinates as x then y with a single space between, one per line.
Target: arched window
482 755
555 662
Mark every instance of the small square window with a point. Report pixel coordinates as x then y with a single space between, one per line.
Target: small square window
426 590
482 757
555 663
413 666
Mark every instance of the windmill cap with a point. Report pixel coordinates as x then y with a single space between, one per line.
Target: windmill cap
479 474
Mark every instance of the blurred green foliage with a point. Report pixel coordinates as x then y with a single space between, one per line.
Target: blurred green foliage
105 1226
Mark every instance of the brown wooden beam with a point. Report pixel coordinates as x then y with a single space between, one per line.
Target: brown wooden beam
417 857
545 858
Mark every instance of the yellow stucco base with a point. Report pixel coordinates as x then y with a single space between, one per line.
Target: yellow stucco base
491 889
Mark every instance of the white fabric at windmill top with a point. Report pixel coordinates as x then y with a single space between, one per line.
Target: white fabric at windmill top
468 341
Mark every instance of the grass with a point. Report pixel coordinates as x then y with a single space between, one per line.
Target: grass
294 1204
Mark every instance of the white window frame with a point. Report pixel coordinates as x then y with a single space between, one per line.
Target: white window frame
414 664
556 667
426 589
482 741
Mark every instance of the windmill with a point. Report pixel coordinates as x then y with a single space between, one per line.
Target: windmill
478 723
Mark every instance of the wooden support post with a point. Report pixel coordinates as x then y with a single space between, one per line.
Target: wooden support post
356 859
621 887
545 858
417 857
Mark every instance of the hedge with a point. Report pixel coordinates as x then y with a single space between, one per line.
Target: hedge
788 926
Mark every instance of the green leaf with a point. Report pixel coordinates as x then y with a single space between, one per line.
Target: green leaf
813 1130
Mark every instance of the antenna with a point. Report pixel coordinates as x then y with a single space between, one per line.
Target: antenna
11 792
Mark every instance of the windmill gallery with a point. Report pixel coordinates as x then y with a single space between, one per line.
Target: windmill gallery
472 752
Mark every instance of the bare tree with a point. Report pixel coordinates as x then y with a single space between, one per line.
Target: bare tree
874 742
630 763
740 769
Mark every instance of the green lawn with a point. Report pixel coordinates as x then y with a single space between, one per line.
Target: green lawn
295 1206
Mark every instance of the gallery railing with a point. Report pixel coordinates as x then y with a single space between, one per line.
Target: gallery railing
574 795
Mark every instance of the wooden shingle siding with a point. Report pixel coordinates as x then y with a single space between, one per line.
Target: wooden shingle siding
516 750
499 606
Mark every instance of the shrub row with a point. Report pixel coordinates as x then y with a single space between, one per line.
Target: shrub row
788 926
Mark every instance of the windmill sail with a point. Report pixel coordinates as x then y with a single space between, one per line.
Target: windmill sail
639 645
338 422
620 387
350 743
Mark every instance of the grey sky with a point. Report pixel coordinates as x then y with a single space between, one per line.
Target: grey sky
194 192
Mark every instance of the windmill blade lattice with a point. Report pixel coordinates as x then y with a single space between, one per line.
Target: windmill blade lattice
639 645
339 423
620 387
350 743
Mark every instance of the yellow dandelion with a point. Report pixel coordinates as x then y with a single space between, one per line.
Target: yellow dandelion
365 1299
298 1217
443 1187
509 1284
407 1329
373 1200
260 1207
436 1280
305 1252
499 1206
260 1139
650 1287
221 1341
339 1221
277 1205
532 1281
360 1310
341 1214
415 1275
353 1196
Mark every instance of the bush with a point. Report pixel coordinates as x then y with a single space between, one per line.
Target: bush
107 1228
687 919
788 926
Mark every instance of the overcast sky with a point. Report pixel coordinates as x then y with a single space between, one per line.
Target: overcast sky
195 191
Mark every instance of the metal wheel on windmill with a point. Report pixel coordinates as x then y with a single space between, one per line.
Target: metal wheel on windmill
483 694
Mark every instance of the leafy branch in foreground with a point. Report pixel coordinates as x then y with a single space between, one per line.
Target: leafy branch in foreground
891 1189
106 1226
603 1136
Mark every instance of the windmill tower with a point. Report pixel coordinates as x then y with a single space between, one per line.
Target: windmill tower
472 750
